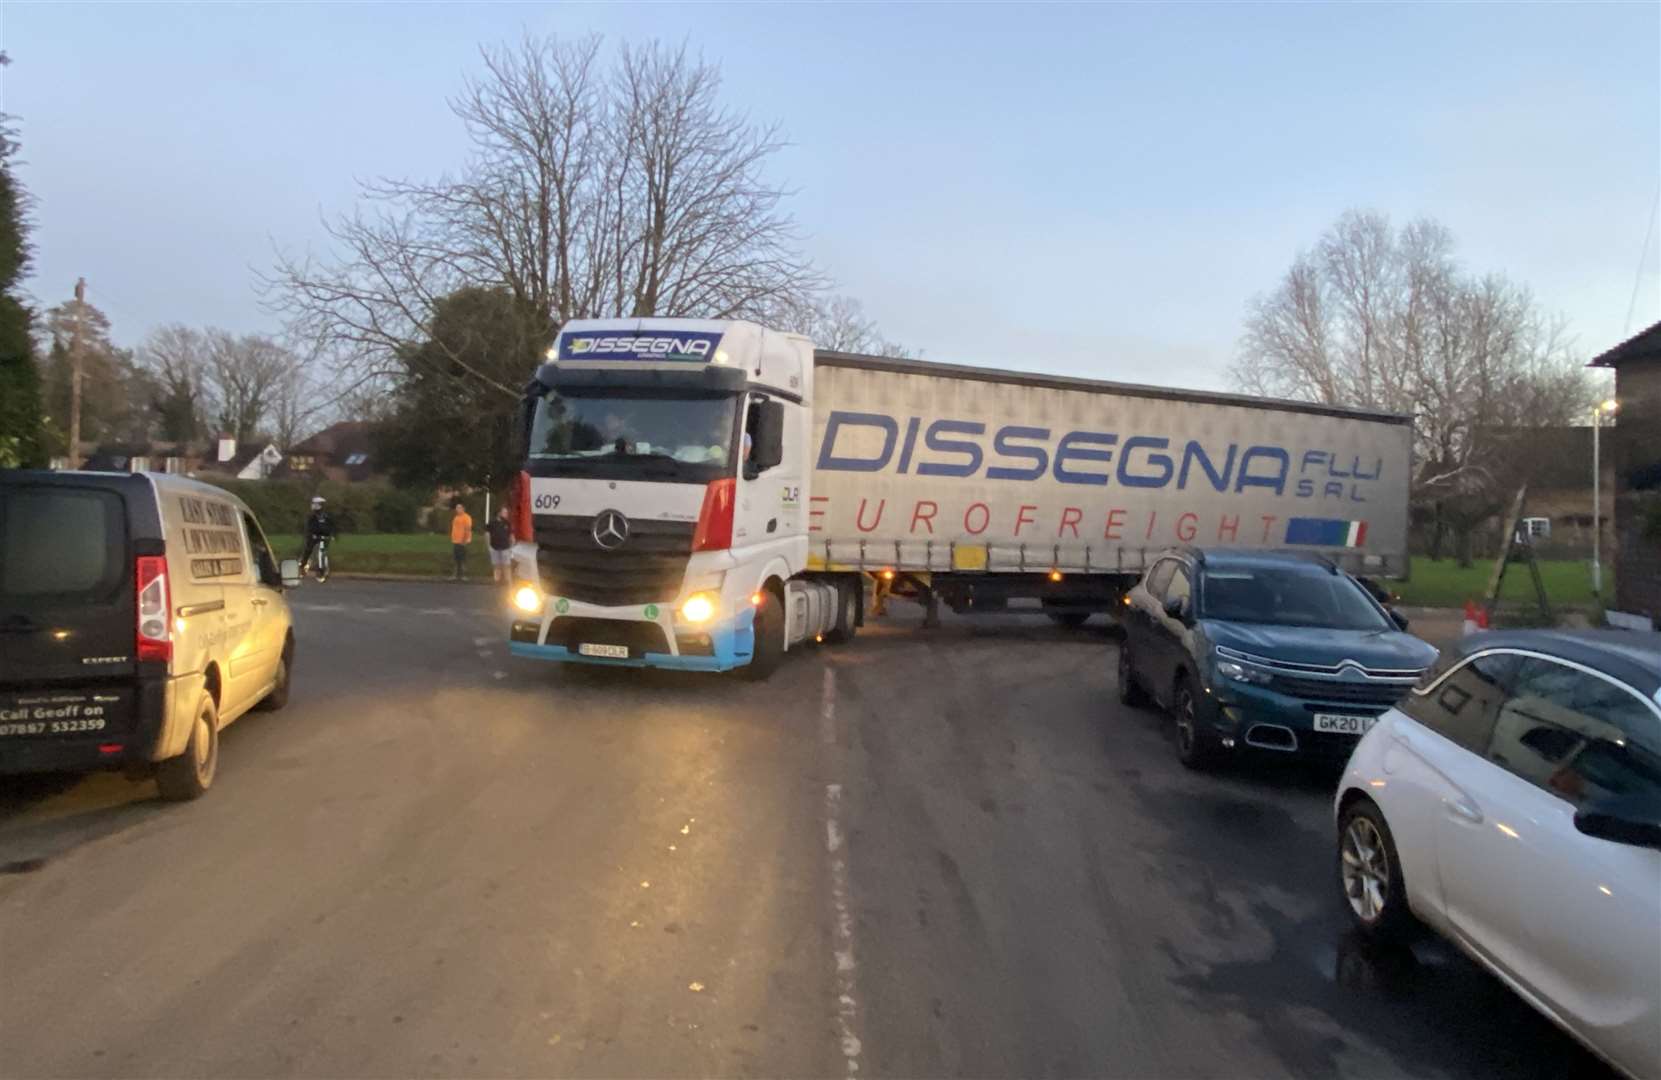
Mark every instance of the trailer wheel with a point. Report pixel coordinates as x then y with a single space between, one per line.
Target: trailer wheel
847 615
769 646
1072 620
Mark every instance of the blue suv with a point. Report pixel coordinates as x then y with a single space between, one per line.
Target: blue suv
1264 649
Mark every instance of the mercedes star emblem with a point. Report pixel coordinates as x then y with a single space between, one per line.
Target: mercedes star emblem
611 529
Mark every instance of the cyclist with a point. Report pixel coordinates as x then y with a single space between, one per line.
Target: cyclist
320 529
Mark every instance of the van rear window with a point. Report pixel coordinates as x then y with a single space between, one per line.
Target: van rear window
60 542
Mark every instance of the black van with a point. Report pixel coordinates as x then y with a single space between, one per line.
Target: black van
139 614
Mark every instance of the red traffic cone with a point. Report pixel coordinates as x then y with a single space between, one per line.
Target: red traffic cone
1473 617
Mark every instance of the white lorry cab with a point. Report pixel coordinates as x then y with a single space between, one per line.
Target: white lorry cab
708 495
139 615
663 514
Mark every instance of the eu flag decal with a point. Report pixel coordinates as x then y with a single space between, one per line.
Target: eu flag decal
1326 532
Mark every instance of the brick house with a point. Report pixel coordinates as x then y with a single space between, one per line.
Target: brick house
340 452
1634 445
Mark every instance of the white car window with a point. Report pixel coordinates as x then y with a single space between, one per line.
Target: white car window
1577 735
1462 704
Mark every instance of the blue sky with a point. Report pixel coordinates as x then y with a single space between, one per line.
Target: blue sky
1094 190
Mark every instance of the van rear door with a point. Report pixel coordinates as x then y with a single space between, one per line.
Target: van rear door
66 610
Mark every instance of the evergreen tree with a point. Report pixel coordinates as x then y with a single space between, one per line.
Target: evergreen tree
21 439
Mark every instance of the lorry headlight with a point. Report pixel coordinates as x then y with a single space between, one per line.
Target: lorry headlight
527 599
698 608
1231 669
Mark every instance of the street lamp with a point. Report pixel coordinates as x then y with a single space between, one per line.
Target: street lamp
1598 413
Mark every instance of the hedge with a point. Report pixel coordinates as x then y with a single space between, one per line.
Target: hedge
282 505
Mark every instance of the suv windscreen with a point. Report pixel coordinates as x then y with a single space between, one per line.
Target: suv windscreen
1286 596
59 543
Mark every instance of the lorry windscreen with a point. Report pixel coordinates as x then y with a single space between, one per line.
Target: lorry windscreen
685 434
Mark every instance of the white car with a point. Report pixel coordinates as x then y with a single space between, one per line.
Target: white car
1512 803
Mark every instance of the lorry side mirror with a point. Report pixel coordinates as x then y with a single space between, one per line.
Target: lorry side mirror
767 436
527 419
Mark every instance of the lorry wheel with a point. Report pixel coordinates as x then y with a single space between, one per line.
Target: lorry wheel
189 775
847 616
1072 620
769 646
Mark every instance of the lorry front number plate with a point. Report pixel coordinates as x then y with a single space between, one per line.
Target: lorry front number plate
1344 725
610 652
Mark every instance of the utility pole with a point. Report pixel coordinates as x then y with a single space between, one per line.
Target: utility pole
1604 409
75 376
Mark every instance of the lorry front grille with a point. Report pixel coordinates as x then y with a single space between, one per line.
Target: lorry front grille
647 568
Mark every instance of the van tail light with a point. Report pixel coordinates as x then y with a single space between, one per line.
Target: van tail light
714 531
155 600
521 511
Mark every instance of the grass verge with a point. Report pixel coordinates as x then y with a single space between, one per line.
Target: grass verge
423 554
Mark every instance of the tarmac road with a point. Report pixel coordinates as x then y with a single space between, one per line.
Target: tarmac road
946 853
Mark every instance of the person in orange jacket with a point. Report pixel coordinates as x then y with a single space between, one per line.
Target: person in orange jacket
461 534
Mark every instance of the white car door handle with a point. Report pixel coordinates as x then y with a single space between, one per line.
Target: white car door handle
1464 808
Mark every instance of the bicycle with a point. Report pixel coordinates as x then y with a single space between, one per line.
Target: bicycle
320 560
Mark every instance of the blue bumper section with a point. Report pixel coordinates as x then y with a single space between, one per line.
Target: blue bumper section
732 642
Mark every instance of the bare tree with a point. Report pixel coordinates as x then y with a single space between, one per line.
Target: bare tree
837 323
587 192
176 360
246 375
1385 318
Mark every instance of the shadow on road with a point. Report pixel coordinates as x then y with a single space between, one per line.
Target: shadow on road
47 815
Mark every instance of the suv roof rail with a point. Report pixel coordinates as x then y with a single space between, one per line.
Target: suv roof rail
1324 560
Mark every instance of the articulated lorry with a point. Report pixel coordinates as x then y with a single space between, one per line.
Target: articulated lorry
709 495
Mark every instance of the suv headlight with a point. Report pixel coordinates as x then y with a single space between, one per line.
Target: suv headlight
1234 669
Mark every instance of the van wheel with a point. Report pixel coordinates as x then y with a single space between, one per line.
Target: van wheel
1196 746
189 775
278 697
769 646
847 616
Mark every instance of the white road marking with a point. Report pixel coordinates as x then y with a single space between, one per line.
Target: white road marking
827 709
438 611
320 607
498 674
484 654
847 985
480 641
375 610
